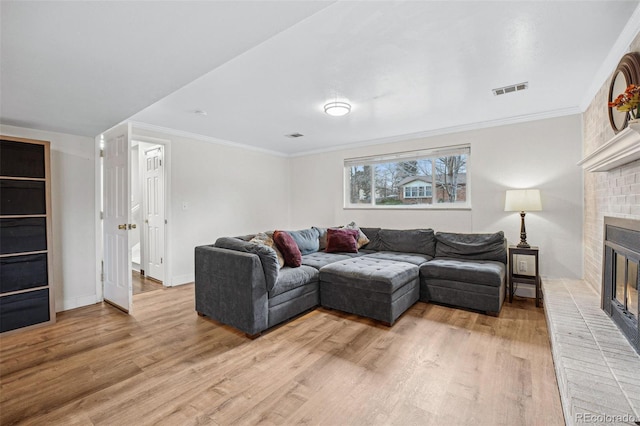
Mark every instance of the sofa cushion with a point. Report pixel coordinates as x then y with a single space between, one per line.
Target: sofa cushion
320 259
408 240
268 257
288 247
413 258
372 235
291 278
359 253
306 240
266 238
482 272
472 246
376 275
342 240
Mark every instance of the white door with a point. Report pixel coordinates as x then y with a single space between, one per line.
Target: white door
117 217
154 212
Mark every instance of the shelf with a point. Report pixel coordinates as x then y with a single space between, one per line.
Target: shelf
23 253
621 149
26 290
30 179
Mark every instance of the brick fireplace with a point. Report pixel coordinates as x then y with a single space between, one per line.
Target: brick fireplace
612 193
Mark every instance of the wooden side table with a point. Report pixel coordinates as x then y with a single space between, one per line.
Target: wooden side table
525 279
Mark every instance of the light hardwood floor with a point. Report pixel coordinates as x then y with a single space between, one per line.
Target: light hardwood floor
142 284
166 365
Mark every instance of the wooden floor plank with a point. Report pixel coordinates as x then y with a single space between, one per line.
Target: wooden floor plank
166 365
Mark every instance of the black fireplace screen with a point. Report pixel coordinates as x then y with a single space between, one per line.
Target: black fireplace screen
620 279
626 284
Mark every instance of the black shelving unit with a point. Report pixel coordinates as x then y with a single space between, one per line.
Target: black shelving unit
26 288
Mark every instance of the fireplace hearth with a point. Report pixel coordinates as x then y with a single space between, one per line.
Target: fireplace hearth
620 281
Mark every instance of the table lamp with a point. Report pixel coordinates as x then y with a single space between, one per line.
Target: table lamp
522 200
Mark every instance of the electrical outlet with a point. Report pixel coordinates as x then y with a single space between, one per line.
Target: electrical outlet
522 266
185 205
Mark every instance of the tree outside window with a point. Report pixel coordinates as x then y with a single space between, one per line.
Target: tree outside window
360 184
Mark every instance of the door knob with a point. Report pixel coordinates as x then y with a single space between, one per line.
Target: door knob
132 226
122 226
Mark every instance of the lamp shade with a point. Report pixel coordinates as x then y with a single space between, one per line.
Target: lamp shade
522 200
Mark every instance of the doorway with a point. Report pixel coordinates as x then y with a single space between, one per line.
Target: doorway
117 165
148 213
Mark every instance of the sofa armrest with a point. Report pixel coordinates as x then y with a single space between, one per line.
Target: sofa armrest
230 288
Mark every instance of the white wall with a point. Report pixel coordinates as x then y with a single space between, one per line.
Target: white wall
541 154
73 205
228 191
231 191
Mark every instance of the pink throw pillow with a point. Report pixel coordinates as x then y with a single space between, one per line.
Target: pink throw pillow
342 240
288 248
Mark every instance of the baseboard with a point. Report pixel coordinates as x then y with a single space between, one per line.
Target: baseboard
76 302
182 279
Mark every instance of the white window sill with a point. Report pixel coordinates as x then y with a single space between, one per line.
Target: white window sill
404 207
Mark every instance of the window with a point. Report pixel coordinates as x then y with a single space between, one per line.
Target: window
418 179
417 191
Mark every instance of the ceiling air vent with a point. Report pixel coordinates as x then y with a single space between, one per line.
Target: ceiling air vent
510 89
295 135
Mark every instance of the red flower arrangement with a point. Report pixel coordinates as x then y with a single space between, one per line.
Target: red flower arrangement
629 101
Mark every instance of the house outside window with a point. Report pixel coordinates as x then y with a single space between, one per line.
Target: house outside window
416 188
436 178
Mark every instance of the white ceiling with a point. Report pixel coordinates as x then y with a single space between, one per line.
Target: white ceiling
264 69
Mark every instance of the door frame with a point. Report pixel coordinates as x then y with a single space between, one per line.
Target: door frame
166 143
98 218
168 281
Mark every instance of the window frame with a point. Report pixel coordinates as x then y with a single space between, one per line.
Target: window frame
426 154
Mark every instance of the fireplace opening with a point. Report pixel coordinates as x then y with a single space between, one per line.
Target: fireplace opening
620 281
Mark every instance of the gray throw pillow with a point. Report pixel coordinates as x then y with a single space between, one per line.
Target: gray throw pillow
408 240
472 246
306 239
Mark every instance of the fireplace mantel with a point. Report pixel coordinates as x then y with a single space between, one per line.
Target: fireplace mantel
621 149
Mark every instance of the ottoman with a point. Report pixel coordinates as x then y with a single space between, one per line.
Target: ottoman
375 288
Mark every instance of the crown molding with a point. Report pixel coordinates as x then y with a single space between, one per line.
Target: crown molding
203 138
446 130
364 143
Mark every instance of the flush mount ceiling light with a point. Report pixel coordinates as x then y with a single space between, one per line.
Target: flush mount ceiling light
337 109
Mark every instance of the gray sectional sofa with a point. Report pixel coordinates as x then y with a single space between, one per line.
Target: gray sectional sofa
242 284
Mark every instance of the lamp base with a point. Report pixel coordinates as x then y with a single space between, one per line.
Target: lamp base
523 233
